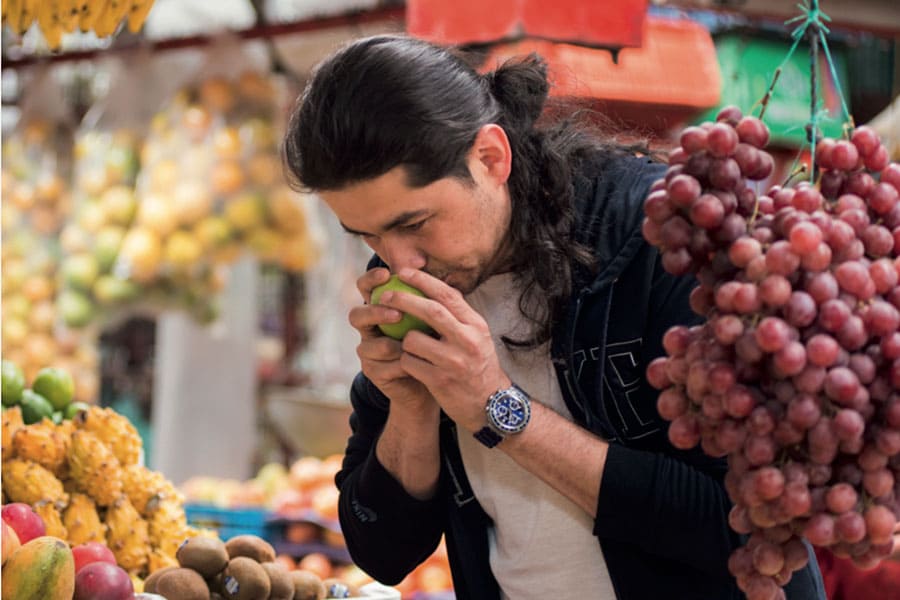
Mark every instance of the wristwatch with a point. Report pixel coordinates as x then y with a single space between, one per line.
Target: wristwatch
508 412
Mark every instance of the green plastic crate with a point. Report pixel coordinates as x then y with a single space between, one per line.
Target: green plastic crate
748 64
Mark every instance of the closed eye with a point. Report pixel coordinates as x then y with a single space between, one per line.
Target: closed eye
412 227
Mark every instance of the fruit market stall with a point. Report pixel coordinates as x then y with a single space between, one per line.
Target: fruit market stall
142 183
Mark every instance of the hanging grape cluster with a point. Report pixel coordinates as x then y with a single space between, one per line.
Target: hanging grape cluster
795 374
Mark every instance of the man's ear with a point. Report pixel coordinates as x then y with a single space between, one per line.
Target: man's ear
491 156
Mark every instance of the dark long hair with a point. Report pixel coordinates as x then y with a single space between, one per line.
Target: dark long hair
386 101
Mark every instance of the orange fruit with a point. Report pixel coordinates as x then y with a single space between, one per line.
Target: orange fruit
264 170
23 196
156 214
37 288
216 94
287 210
50 188
318 563
227 177
227 143
142 252
164 175
191 201
434 578
42 317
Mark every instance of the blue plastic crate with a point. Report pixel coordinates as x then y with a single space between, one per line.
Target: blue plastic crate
229 522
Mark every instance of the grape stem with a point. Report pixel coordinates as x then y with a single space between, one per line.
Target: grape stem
764 102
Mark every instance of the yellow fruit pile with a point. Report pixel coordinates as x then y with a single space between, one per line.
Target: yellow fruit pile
106 164
211 185
56 17
35 203
35 176
84 479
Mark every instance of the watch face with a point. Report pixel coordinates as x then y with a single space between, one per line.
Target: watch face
510 413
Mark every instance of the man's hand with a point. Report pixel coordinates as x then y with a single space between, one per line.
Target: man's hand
380 355
460 367
409 444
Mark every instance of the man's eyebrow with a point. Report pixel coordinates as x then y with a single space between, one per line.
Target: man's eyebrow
395 222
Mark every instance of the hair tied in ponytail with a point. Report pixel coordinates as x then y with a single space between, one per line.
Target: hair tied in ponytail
520 86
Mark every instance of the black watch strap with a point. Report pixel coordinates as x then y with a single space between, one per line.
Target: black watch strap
488 437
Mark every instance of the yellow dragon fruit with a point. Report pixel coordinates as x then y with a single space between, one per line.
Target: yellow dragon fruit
159 560
44 444
128 536
94 469
146 488
52 519
82 521
168 527
114 430
28 482
12 422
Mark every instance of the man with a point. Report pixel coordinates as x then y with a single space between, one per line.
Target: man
524 428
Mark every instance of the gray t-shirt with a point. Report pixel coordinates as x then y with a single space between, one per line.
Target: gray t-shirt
541 545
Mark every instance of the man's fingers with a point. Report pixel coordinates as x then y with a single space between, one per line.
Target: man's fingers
370 279
440 292
379 348
366 318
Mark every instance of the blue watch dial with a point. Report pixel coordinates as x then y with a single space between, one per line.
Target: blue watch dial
509 411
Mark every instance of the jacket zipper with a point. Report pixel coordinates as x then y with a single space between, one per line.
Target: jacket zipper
573 382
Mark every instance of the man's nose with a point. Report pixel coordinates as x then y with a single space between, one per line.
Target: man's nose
400 254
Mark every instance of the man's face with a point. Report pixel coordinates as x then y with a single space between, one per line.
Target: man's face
450 229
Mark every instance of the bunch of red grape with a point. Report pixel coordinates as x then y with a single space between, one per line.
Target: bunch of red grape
795 374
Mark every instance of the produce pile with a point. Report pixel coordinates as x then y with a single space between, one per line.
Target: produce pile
37 200
105 168
794 374
79 468
56 17
243 568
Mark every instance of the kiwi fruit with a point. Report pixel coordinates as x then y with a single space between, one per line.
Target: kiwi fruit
251 546
282 586
203 554
181 583
245 579
307 586
150 582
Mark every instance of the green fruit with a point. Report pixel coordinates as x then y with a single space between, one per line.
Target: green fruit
35 407
76 309
106 247
75 408
56 385
111 290
57 417
13 383
408 322
80 271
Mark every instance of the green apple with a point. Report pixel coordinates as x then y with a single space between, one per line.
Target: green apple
56 385
408 322
109 289
13 383
76 309
80 271
75 408
35 407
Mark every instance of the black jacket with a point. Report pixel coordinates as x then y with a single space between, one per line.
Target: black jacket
662 515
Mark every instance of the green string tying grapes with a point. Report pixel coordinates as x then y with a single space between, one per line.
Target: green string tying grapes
811 25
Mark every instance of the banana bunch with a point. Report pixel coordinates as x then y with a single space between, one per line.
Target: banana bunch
56 17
